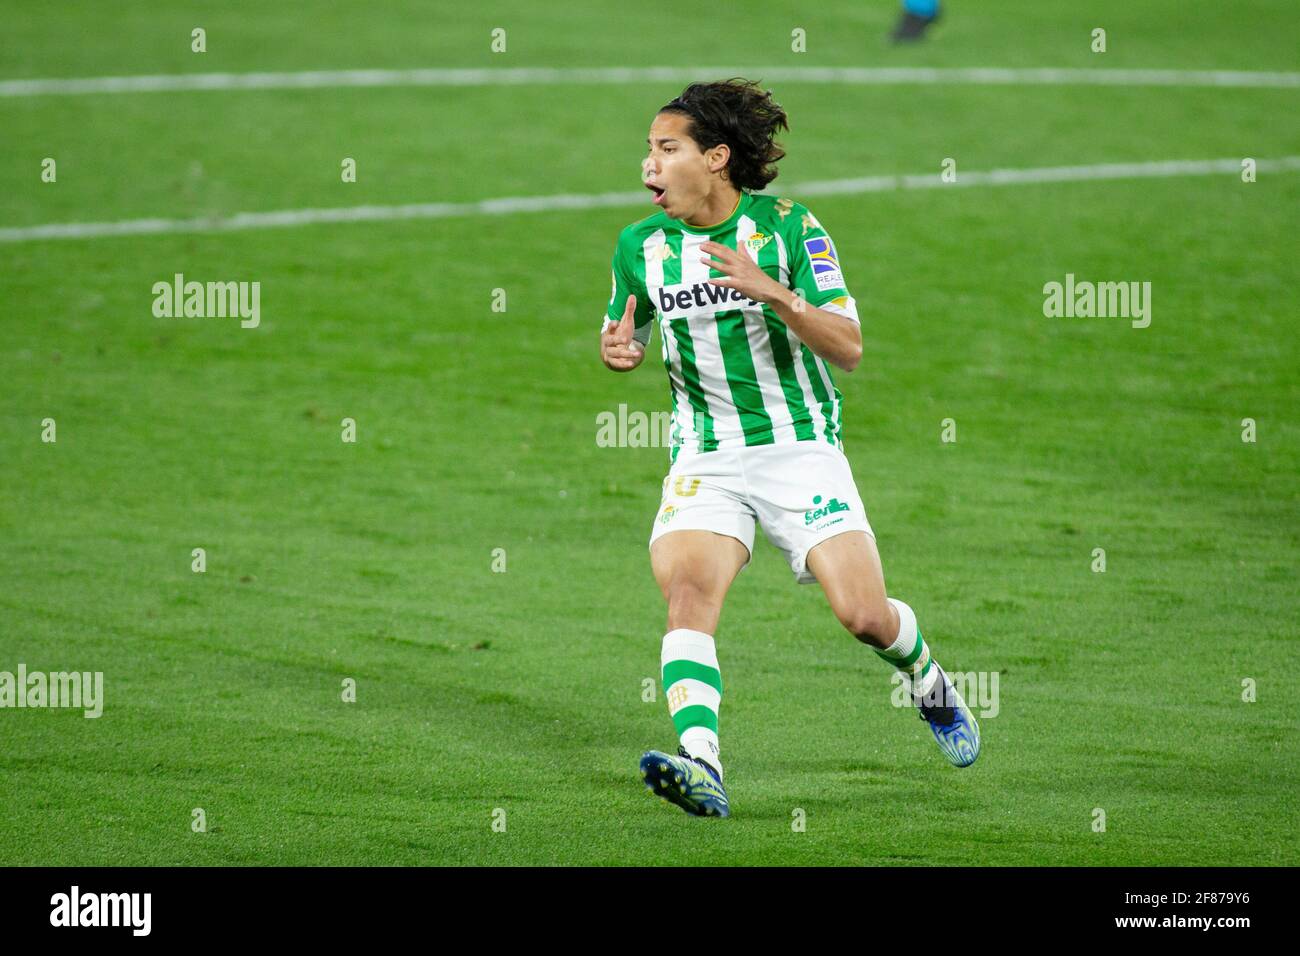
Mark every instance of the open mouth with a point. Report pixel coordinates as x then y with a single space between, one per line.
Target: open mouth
658 193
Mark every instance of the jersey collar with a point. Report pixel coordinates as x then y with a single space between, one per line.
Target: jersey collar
741 205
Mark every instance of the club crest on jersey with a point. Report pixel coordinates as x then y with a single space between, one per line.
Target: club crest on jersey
756 241
825 263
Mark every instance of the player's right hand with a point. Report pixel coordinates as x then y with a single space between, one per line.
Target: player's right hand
618 350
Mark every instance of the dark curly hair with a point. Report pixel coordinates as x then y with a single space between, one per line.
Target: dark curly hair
742 115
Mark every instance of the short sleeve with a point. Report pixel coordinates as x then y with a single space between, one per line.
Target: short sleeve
815 267
625 281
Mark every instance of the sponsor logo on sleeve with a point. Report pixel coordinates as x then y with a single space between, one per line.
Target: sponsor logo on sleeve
825 263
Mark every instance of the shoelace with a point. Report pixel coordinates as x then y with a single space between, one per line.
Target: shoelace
940 712
944 716
681 752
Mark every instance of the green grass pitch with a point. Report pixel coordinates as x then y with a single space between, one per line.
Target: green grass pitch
522 690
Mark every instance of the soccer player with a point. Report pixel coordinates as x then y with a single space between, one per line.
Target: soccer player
753 311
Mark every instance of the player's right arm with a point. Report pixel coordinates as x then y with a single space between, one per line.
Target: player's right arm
618 349
627 327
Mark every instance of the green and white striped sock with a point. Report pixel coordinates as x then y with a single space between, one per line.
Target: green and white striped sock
693 686
909 652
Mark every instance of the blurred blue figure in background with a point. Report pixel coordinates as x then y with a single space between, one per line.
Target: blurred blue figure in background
917 15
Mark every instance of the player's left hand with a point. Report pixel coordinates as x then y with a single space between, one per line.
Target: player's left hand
740 271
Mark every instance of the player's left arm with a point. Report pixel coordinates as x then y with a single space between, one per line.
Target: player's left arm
830 329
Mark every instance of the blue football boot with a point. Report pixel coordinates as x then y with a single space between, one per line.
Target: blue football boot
690 783
954 726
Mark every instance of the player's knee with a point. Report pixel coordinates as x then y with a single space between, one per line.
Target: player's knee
687 594
685 590
869 623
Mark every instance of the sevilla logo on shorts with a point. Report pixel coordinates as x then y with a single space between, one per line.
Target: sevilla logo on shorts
816 513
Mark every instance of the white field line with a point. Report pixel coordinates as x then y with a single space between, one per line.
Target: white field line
534 76
525 204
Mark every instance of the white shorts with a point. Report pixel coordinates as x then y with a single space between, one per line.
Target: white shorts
800 494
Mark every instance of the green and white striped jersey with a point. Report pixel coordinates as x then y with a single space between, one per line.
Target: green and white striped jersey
738 375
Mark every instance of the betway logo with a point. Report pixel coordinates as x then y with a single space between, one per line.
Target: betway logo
701 295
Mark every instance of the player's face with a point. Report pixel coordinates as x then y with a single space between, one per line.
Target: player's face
675 169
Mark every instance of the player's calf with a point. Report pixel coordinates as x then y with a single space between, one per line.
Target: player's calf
874 624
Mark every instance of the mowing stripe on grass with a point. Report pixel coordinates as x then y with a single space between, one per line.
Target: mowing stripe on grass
525 204
538 76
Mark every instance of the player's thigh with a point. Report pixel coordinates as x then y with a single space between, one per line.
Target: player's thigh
848 569
697 563
702 536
